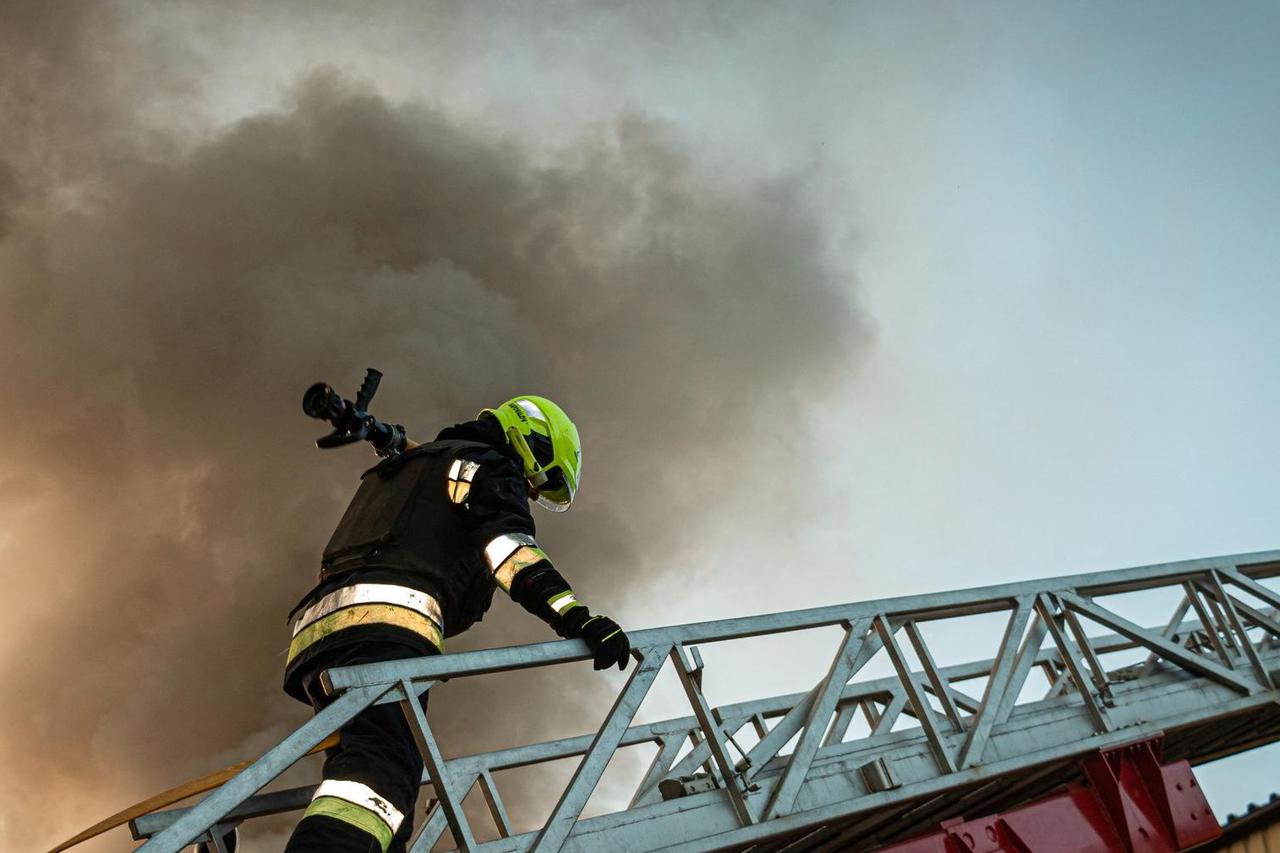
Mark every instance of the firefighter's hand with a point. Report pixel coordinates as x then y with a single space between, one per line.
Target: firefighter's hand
607 641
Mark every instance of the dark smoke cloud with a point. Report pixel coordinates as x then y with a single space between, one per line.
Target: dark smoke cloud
163 302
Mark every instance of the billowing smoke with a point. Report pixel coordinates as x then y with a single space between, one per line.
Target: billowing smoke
166 297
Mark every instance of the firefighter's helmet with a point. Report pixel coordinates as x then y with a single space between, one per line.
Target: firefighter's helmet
547 443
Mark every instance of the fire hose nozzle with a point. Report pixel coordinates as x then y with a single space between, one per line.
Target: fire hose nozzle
351 421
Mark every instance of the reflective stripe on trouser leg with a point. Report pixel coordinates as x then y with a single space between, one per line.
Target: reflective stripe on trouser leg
359 805
377 749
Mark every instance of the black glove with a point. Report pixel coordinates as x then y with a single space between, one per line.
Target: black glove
607 641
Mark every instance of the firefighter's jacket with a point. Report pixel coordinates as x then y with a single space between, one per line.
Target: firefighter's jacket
416 556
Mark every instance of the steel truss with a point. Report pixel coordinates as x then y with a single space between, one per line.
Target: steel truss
940 741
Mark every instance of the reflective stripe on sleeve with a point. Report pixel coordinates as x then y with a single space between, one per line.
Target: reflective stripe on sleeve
563 601
359 805
502 547
510 554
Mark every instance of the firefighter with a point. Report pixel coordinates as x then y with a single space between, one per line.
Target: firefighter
415 559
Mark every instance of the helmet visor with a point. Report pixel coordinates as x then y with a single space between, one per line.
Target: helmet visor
552 504
555 494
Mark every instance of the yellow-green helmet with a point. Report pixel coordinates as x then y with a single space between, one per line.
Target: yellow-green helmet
547 443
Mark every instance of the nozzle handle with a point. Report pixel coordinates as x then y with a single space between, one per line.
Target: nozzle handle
368 388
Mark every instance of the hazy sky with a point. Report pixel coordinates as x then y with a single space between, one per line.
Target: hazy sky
1017 321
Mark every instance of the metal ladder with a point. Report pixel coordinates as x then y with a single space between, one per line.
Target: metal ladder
872 760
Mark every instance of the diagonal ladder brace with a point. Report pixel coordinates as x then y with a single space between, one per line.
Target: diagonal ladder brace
574 799
1215 590
1169 651
1210 628
924 712
785 729
448 792
938 685
1048 608
715 738
1013 662
817 718
260 773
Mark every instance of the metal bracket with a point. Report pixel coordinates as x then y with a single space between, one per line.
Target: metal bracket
878 776
685 786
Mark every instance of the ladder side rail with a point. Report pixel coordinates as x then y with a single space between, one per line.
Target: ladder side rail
253 778
259 805
922 607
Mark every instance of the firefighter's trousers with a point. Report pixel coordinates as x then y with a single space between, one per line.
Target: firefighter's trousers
370 782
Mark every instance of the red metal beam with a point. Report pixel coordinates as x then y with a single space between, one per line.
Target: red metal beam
1132 804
